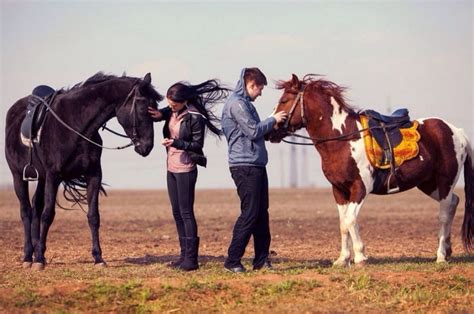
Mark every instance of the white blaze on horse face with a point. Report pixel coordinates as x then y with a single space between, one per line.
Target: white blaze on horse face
363 164
338 117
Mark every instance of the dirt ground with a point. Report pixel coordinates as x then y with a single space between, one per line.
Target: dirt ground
138 239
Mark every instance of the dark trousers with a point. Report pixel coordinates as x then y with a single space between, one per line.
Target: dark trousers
181 192
252 187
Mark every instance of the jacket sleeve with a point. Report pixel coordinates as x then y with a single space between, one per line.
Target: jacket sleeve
247 124
197 139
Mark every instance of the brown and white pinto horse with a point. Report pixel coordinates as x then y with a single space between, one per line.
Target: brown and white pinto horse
334 127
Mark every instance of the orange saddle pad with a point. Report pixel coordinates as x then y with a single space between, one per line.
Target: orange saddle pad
406 150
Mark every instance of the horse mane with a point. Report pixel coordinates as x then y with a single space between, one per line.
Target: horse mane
100 77
320 86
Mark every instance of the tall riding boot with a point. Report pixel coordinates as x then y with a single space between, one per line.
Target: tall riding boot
182 244
191 255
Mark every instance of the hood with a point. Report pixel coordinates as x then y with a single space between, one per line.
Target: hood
240 89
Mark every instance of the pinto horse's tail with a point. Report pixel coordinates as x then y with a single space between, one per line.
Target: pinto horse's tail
467 230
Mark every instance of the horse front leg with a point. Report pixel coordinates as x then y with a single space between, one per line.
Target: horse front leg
21 190
93 216
351 223
345 255
349 204
51 189
38 205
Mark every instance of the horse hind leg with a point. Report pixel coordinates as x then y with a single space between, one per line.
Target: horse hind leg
447 210
21 190
93 217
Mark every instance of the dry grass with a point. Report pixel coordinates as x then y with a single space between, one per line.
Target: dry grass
139 238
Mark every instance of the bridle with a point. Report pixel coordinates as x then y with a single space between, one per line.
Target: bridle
299 98
133 139
315 141
133 113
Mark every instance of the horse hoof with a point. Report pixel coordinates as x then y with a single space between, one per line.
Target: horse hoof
341 263
37 266
27 264
361 264
100 265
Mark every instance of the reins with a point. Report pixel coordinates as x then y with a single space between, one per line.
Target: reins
316 141
132 112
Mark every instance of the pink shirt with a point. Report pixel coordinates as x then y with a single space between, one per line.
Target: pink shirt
178 160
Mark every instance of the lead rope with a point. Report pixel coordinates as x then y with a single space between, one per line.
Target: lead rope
76 132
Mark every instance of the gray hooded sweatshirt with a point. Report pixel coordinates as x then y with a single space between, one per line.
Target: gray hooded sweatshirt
243 129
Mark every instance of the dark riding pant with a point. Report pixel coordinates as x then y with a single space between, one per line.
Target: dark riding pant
252 187
181 192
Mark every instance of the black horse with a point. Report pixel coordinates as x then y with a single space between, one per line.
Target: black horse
70 149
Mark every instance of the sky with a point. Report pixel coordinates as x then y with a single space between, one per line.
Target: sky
390 54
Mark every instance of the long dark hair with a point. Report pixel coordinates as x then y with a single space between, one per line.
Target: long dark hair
203 97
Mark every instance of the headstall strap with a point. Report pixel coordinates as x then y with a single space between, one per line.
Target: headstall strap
303 117
299 98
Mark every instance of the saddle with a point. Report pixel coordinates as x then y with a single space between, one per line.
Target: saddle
35 114
390 140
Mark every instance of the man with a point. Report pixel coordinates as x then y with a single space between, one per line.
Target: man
247 160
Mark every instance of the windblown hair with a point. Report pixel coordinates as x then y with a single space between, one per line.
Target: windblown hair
203 97
320 86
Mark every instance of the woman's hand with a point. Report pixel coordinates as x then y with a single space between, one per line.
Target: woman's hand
167 142
155 113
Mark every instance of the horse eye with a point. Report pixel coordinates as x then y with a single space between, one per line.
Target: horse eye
283 101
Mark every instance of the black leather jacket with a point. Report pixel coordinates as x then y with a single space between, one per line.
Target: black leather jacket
191 134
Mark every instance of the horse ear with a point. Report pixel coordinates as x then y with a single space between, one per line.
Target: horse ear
295 81
147 78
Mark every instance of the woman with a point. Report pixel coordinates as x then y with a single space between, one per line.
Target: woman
188 115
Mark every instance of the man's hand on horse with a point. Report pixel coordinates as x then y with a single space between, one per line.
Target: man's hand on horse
280 117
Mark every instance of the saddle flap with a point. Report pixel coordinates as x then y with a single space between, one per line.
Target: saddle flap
406 149
36 111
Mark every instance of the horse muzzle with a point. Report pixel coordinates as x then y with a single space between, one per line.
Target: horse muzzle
275 136
142 149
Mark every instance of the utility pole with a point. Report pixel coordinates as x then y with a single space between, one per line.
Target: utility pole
293 169
304 167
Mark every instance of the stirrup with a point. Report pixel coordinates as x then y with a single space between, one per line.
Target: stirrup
394 189
34 178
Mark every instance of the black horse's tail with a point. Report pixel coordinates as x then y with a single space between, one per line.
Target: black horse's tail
75 191
467 230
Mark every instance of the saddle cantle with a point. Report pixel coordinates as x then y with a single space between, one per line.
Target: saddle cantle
392 141
35 114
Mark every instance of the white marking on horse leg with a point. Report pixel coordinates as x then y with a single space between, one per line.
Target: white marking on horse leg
353 227
345 255
447 210
338 117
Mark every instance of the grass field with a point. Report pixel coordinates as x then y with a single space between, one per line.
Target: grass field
139 239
